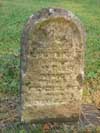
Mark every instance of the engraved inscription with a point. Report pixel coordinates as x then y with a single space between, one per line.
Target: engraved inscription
52 63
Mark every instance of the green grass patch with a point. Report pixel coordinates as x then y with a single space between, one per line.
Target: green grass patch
9 74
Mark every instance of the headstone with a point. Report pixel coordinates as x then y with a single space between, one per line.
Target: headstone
52 66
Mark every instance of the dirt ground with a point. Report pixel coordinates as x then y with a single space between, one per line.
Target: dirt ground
9 110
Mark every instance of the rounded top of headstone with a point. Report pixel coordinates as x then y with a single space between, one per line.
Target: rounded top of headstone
49 13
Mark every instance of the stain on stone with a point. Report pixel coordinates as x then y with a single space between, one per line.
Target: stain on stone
79 79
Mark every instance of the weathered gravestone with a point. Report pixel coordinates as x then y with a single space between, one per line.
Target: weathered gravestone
52 66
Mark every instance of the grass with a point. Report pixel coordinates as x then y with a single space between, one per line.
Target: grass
21 128
14 14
